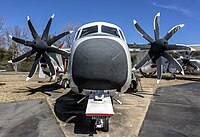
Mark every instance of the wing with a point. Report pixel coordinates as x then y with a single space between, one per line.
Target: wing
138 47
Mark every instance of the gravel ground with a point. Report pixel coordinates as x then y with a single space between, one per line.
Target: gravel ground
14 87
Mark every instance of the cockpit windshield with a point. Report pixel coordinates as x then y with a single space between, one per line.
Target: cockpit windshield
110 30
100 29
89 30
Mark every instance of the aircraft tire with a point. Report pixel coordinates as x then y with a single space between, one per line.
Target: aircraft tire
105 125
133 84
63 84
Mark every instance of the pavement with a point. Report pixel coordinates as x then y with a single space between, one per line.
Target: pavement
28 119
175 112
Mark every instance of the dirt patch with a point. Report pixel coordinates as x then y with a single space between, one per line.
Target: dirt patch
14 87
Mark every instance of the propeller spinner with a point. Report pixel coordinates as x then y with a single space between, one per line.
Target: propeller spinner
41 46
159 46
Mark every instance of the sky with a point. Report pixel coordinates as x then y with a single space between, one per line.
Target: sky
118 12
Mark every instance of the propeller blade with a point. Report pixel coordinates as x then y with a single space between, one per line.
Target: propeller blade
173 31
159 66
32 29
157 26
46 31
55 38
51 67
22 57
58 51
142 32
21 41
34 67
174 62
143 61
177 47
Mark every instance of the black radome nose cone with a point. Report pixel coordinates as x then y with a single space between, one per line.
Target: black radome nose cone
99 64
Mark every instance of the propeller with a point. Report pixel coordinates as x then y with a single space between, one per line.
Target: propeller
41 46
159 46
187 59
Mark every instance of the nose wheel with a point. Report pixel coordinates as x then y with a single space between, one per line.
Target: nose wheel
105 125
64 83
133 84
100 123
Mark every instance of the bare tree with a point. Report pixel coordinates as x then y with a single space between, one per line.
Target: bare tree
16 49
69 38
2 34
2 22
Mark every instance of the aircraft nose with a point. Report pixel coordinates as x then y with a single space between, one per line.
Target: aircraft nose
99 64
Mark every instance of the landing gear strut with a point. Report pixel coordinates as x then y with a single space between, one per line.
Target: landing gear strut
101 123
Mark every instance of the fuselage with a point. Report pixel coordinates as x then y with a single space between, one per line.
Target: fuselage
100 59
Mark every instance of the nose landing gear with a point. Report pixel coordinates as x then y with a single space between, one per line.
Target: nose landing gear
64 83
100 108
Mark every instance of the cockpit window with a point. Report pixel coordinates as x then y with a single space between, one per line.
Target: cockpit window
110 30
77 34
89 30
121 34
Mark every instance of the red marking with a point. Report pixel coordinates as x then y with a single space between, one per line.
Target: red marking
61 45
97 114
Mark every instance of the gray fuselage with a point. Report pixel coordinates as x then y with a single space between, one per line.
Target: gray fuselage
99 61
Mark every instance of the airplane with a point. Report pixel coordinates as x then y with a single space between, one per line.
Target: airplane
190 64
99 62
